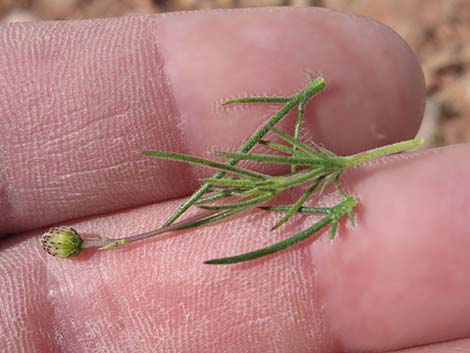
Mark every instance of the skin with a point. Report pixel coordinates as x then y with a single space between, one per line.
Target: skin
80 100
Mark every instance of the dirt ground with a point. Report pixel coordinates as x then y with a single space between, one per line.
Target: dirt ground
438 31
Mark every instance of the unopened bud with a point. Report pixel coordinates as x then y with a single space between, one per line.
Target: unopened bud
62 241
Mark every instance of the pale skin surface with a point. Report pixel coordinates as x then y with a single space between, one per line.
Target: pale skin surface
79 101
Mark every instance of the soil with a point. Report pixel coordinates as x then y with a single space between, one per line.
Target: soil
437 30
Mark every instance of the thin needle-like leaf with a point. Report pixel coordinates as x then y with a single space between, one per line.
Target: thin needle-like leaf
303 209
258 100
248 202
298 127
326 152
299 203
215 217
328 181
333 228
351 216
271 158
272 248
300 119
282 148
294 142
215 197
301 177
204 162
232 182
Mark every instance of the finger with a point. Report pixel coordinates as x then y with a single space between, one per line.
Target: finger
398 279
457 346
80 101
401 277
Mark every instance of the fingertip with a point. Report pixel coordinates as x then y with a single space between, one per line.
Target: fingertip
396 279
374 93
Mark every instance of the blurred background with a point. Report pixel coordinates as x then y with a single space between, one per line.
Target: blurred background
437 30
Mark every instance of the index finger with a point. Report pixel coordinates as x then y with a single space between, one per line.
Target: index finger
81 100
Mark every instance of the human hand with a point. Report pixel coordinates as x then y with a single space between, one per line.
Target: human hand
81 100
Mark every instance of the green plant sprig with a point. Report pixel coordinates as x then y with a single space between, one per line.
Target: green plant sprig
322 169
234 189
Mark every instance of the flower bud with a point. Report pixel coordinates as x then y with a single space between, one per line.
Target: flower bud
62 241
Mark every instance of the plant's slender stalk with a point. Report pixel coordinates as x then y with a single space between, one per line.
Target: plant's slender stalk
313 87
199 220
108 243
363 157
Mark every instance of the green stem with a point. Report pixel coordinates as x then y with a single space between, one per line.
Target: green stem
363 157
194 221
